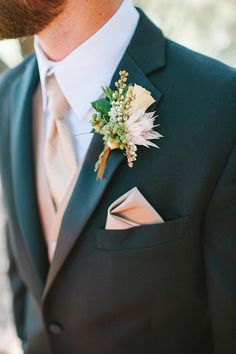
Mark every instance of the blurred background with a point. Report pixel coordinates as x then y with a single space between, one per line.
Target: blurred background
208 26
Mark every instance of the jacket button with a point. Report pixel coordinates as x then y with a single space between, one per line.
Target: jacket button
55 328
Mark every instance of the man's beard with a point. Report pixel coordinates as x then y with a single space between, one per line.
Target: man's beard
22 18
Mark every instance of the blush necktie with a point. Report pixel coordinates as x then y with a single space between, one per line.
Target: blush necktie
60 158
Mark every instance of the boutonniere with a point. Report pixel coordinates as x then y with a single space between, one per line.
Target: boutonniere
123 120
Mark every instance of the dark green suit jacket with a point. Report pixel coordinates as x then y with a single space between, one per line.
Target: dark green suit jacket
154 289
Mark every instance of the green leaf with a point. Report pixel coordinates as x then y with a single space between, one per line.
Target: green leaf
102 106
108 92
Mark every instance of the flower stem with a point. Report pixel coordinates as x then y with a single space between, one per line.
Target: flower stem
101 164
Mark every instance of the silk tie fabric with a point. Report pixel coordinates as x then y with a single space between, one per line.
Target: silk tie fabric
60 158
50 218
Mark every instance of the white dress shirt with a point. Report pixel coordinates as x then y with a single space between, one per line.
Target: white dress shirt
84 71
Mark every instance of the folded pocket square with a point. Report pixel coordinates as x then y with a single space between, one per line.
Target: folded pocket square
130 210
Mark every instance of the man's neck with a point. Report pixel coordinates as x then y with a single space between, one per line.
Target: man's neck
79 21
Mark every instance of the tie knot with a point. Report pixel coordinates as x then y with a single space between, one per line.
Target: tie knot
57 103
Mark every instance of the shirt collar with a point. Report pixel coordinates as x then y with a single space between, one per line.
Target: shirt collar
91 65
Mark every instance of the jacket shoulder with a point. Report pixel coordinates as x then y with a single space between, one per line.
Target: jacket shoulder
204 79
201 67
202 91
7 80
8 77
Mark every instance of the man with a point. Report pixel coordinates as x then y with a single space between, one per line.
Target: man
79 286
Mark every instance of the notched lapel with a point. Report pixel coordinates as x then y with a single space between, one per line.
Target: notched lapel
88 190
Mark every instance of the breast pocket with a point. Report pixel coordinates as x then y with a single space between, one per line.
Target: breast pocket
143 236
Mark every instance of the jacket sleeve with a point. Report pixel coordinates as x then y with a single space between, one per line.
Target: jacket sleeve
18 291
220 259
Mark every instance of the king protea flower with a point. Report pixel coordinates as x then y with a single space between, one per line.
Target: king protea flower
139 128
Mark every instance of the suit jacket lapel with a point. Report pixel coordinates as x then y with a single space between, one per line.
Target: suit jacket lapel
23 175
88 190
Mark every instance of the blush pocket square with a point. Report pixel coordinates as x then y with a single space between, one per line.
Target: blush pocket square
130 210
